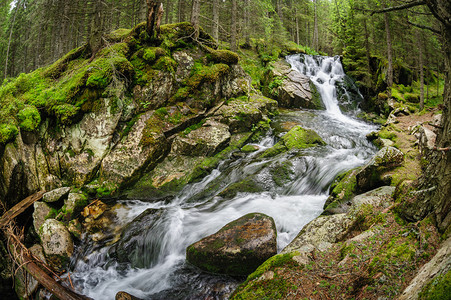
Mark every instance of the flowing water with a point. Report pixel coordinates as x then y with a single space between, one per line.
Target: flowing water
292 188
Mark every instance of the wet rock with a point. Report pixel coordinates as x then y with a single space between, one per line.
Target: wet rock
370 175
94 210
25 284
204 141
57 243
295 89
40 214
296 139
250 148
138 244
74 227
238 248
56 194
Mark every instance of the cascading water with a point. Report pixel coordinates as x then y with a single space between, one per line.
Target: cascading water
157 234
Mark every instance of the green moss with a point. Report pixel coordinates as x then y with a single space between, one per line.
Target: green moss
8 133
29 118
247 185
275 288
297 138
438 288
206 74
165 63
118 34
281 172
223 56
249 148
387 134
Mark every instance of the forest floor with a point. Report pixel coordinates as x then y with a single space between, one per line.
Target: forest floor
376 260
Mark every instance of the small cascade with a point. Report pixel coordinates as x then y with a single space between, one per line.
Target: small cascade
325 72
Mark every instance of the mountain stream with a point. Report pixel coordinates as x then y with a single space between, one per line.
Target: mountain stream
162 230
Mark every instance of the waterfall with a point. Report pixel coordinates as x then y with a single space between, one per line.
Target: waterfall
161 271
325 72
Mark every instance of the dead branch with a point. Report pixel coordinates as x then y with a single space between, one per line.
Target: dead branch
399 7
424 27
20 208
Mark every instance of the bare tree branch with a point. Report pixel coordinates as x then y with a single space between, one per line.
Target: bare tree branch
400 7
424 27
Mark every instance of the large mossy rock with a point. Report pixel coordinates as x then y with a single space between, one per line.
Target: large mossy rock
56 194
322 232
291 88
57 243
207 140
238 248
370 175
296 139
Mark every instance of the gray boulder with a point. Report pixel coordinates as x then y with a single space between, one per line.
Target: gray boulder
40 214
56 194
57 243
295 89
204 141
238 248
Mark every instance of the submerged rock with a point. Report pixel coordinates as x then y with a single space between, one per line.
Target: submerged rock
238 248
57 243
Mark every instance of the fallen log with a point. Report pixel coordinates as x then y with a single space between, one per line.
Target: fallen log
23 257
20 208
25 260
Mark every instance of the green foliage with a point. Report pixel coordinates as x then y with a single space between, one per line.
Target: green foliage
165 63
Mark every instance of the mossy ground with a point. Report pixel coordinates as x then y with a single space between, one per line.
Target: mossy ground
378 265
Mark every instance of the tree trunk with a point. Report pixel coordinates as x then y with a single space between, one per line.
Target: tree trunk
10 38
154 14
436 180
389 53
315 26
195 12
420 66
215 30
233 33
297 26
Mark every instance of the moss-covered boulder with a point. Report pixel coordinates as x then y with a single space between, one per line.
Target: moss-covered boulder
370 176
57 243
238 248
207 140
143 146
291 88
342 189
296 139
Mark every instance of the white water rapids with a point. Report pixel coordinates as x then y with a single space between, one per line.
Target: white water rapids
198 211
